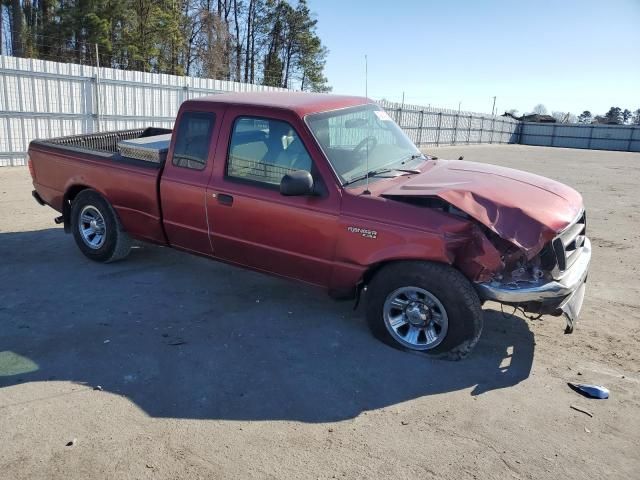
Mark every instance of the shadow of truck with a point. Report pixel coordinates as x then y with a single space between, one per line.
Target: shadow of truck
186 337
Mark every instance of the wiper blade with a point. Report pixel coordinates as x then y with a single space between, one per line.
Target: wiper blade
379 171
413 156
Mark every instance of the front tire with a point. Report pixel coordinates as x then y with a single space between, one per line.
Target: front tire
424 307
97 229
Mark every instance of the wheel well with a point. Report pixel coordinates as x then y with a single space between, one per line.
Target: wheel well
376 267
71 193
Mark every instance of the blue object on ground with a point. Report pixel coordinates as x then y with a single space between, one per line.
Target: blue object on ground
591 391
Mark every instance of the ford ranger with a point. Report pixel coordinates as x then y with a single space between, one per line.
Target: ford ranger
327 190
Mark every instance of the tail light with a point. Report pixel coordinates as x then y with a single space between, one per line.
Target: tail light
30 164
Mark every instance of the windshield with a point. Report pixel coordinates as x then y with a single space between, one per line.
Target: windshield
348 137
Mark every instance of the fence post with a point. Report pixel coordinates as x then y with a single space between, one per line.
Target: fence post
520 128
185 92
89 101
438 129
553 134
5 92
493 128
481 128
469 129
590 137
630 139
420 128
455 130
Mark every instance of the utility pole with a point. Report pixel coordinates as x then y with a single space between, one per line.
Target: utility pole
366 77
494 106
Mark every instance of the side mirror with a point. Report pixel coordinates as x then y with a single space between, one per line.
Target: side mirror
299 182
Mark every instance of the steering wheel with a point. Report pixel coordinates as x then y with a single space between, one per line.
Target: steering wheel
365 142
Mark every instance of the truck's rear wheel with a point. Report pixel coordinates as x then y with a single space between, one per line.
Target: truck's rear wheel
424 307
97 229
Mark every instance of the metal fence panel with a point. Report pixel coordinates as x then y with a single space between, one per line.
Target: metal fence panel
597 137
42 99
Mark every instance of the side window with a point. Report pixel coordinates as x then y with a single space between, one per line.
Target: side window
264 150
193 140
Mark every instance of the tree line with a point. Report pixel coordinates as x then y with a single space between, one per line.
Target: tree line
614 116
270 42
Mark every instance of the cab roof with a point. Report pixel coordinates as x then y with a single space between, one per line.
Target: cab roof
301 103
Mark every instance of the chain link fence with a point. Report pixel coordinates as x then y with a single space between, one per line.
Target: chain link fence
437 126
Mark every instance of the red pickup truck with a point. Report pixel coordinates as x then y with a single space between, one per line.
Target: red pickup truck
327 190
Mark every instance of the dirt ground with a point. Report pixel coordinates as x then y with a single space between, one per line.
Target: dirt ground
207 371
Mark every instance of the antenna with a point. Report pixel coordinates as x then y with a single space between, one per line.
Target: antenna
366 94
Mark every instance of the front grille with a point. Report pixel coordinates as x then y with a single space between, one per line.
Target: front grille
568 244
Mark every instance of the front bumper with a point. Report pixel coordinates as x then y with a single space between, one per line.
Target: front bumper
512 293
561 296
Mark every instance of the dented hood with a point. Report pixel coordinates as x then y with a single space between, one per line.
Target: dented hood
525 209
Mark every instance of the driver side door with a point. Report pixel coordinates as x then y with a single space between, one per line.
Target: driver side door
251 223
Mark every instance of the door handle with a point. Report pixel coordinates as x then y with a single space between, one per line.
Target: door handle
224 199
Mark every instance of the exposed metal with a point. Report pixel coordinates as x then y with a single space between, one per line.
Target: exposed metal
521 292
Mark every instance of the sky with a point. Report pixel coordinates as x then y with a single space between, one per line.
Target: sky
570 55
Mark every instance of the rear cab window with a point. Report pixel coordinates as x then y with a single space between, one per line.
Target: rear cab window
193 139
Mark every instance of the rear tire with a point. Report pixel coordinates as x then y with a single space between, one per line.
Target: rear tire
97 229
424 307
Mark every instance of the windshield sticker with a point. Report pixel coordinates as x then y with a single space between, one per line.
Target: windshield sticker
382 115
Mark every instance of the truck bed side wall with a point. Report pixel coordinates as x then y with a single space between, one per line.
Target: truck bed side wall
131 189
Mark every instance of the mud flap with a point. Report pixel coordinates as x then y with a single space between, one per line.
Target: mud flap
572 306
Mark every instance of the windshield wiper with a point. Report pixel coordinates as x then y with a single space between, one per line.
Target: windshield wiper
413 156
379 171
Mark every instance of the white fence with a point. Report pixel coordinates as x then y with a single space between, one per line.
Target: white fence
41 99
596 137
438 126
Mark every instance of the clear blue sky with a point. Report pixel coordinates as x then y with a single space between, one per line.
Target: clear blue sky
570 55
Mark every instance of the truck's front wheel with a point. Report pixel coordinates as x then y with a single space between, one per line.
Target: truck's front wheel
97 229
424 307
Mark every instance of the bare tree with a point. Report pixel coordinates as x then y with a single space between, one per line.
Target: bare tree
540 109
564 117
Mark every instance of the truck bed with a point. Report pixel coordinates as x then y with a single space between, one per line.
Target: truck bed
104 144
65 165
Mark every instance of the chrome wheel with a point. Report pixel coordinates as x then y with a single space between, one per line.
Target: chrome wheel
415 318
91 226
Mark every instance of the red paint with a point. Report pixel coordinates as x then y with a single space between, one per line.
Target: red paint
308 237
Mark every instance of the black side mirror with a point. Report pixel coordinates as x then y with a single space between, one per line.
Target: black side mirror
299 182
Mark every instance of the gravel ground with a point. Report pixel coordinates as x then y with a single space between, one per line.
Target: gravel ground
206 371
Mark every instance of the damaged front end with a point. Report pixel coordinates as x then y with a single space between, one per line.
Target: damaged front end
552 282
525 244
547 279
